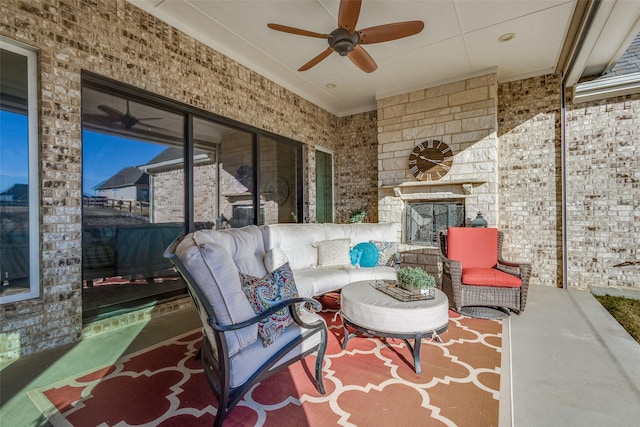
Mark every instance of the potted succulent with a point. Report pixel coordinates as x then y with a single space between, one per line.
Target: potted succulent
357 215
415 279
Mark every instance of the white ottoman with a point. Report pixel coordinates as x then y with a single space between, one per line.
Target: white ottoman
373 312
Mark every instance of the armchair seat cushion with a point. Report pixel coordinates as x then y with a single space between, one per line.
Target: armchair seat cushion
478 276
244 363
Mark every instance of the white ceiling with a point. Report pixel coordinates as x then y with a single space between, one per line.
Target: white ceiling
460 40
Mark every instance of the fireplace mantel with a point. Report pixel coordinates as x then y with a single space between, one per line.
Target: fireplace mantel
412 189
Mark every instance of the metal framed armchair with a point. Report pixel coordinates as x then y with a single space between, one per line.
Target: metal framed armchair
233 356
475 274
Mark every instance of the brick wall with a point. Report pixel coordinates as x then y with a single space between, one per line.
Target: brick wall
603 182
356 172
602 190
530 180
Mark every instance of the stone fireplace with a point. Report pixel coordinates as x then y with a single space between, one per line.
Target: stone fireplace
463 116
424 219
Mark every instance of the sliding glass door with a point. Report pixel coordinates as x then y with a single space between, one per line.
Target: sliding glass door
139 193
133 201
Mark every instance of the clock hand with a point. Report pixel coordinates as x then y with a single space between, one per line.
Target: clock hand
430 160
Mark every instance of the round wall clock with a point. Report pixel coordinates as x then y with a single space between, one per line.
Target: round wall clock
430 160
278 190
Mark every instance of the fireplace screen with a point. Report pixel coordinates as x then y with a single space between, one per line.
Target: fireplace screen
425 219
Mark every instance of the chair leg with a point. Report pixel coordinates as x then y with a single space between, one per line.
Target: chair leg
319 361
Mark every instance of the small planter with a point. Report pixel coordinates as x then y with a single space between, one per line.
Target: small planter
415 280
357 215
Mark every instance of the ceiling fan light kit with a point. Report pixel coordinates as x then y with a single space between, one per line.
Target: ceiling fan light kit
347 41
342 41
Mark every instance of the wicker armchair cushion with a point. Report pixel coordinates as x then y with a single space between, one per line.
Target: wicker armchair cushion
473 247
478 276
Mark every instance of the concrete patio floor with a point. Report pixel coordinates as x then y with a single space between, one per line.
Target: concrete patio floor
571 364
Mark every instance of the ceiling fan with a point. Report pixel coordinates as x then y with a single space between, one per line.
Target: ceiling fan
346 40
122 120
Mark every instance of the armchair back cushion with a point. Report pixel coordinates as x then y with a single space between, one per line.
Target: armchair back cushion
473 247
208 263
244 244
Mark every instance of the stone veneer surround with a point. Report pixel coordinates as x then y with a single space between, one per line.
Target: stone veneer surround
461 114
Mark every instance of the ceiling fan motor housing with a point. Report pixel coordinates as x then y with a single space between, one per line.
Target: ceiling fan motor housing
342 41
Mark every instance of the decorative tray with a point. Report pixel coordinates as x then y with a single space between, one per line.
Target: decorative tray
390 288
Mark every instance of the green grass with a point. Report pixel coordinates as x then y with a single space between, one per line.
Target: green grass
625 310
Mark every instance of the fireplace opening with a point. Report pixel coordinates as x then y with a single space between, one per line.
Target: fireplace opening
426 219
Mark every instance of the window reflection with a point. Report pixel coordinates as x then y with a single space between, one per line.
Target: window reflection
18 197
236 180
278 172
133 201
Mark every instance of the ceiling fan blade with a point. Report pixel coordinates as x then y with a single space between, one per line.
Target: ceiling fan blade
297 31
383 33
148 126
348 14
112 113
317 59
362 59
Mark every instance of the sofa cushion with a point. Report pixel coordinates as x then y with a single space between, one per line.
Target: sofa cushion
333 253
473 247
296 241
365 254
275 258
478 276
386 252
208 264
319 281
364 232
244 244
263 293
371 273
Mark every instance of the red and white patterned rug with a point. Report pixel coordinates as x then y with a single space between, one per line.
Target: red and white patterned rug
371 383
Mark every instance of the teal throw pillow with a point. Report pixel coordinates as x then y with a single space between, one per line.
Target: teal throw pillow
366 254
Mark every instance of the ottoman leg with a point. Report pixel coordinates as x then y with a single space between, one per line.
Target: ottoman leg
415 349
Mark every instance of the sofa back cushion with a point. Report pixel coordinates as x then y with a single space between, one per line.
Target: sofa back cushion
296 241
364 232
209 265
244 245
473 247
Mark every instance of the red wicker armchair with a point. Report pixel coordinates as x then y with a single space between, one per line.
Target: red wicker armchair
474 273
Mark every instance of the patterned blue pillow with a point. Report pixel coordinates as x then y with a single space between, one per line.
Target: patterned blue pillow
366 254
264 293
386 252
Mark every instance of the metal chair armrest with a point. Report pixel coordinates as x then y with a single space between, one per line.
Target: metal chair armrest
291 304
